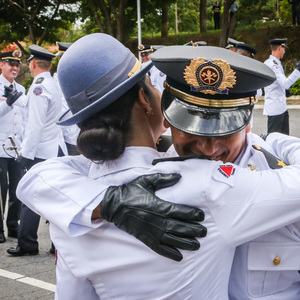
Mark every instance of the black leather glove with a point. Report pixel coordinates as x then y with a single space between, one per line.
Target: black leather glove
24 162
12 96
297 65
161 225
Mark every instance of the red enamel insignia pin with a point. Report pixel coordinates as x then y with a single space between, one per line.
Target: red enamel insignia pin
226 170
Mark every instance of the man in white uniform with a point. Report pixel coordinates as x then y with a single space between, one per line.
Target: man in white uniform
157 77
11 118
69 133
231 220
275 106
40 138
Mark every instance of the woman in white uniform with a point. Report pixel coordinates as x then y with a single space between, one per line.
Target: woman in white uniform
120 132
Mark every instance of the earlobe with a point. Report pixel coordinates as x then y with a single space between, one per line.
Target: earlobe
166 124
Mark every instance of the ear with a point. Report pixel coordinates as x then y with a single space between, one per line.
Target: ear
143 100
166 124
248 128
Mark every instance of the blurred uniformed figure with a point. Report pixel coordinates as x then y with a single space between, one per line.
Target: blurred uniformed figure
12 106
196 44
231 44
275 106
41 135
69 133
208 102
249 51
246 50
157 77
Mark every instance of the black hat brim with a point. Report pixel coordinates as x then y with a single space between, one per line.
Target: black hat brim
204 121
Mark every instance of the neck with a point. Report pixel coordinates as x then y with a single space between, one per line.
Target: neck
142 133
11 80
276 54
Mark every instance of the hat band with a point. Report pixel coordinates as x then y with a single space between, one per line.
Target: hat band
105 84
210 102
10 57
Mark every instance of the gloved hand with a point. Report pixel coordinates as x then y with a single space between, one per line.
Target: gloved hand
24 162
12 96
163 226
297 65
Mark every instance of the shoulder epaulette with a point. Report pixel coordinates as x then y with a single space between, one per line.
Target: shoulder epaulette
273 161
164 143
40 80
179 158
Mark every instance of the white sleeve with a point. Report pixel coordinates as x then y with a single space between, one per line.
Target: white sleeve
286 147
255 204
66 201
285 82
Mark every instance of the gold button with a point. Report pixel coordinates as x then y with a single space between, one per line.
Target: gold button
276 261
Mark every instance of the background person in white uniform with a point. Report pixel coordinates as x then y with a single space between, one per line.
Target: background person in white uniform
275 106
11 118
224 177
40 137
157 77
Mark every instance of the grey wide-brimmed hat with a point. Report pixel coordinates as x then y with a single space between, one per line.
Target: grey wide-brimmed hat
209 91
95 71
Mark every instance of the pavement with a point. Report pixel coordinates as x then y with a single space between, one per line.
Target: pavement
33 277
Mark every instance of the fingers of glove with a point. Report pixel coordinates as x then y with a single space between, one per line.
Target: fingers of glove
191 244
185 229
166 251
181 212
7 90
158 180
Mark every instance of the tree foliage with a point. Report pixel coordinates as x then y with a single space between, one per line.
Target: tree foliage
36 19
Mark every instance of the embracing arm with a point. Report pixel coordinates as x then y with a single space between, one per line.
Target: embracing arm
69 202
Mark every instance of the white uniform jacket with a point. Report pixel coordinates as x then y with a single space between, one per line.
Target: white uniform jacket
43 110
69 133
11 117
157 77
267 267
239 205
275 99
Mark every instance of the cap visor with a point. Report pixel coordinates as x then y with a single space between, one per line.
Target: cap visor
204 121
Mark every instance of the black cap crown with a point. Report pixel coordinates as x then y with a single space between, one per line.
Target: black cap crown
62 48
13 56
39 52
209 91
279 42
249 49
145 49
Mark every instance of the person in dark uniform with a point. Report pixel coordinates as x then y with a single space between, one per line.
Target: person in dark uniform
217 14
40 138
11 118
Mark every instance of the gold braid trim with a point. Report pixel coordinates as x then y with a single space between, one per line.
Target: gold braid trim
135 68
210 102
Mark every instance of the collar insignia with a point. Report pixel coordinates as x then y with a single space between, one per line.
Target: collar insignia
209 76
275 62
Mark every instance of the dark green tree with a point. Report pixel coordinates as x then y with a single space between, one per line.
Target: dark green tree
36 19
